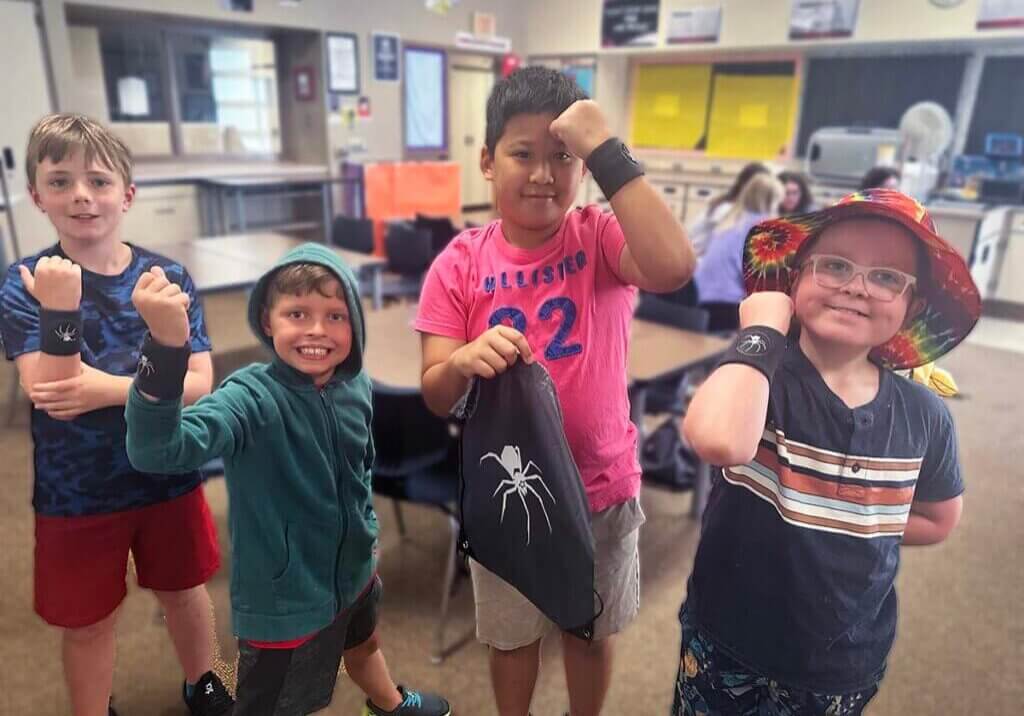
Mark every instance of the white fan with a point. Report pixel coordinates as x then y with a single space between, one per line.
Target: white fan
926 130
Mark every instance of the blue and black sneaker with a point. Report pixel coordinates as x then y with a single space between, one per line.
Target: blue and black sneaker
414 703
209 697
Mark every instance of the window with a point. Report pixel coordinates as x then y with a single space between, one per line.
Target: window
875 91
227 92
180 92
1000 103
425 90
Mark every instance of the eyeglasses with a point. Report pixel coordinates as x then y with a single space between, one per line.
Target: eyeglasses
883 284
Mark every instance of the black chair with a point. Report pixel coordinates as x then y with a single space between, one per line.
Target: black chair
410 251
417 462
441 229
353 234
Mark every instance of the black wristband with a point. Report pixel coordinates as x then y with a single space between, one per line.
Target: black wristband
613 166
60 332
162 369
760 347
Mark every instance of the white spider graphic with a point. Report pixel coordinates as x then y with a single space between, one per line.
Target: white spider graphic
66 333
518 483
146 366
753 344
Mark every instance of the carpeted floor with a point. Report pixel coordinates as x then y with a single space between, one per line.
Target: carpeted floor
961 636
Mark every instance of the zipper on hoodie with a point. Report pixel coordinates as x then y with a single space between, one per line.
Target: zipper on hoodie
325 401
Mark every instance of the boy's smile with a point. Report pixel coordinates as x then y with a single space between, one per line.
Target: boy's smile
535 177
84 201
312 333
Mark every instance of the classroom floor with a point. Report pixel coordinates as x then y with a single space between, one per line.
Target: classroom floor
961 634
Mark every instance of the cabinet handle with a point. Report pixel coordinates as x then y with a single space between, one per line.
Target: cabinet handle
9 158
165 211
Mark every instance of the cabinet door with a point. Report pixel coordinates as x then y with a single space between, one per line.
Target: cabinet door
23 87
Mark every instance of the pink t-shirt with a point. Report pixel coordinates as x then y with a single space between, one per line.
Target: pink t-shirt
568 299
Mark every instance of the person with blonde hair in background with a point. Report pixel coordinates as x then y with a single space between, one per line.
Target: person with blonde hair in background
719 277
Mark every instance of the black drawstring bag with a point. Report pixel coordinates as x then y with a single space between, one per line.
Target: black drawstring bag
525 514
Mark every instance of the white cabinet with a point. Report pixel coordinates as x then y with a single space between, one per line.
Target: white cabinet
162 214
1010 287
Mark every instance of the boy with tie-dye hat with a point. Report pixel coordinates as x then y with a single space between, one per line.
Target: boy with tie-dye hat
830 461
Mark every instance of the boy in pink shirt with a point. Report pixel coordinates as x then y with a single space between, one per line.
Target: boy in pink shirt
558 287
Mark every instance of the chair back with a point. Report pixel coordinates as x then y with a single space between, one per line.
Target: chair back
409 249
441 229
353 234
658 310
406 436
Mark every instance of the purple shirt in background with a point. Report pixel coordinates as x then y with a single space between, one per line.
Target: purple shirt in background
719 275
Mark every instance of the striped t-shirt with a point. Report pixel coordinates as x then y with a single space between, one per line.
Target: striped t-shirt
794 574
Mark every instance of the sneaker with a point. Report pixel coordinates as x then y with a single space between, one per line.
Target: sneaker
209 698
414 703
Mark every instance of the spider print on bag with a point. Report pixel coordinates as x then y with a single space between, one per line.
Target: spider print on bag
519 483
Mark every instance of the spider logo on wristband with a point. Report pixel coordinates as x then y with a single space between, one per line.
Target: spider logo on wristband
753 344
66 332
146 366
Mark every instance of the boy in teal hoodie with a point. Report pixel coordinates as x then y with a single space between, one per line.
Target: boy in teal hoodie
295 438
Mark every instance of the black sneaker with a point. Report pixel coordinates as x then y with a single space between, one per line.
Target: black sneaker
209 697
414 703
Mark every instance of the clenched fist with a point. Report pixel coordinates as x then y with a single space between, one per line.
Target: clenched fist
163 306
582 128
56 284
767 308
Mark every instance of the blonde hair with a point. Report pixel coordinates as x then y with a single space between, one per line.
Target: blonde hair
55 136
760 195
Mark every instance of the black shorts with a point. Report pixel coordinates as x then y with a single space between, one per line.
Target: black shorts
712 683
299 681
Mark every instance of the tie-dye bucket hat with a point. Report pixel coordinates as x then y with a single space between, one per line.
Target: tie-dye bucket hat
952 301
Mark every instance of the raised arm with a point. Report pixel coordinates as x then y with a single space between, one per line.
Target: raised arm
57 285
726 418
657 257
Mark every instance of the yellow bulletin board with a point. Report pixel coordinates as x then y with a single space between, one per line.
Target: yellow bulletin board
670 105
751 116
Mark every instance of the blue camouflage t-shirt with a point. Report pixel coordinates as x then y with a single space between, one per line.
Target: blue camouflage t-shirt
81 466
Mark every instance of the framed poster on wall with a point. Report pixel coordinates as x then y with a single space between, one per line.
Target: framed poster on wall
819 19
629 23
1000 14
343 63
385 57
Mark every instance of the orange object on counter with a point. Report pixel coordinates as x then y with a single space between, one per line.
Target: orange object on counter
400 190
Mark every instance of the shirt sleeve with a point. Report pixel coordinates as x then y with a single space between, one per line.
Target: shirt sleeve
940 477
444 305
19 316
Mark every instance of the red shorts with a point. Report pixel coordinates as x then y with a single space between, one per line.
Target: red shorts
81 562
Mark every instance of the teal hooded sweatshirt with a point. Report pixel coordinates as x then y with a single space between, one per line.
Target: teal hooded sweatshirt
297 462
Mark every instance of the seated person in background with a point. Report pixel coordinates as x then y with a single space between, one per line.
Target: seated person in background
719 275
797 198
700 232
881 178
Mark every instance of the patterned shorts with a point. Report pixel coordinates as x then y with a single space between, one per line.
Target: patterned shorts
710 683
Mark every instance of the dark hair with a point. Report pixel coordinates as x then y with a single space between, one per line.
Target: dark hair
877 176
805 191
530 90
737 186
301 280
